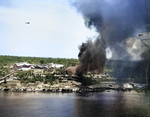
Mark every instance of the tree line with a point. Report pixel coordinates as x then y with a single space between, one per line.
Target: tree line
10 60
6 61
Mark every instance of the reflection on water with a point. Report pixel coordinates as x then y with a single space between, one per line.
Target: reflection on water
36 104
104 104
113 104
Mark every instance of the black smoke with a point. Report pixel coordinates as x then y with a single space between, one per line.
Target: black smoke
115 20
92 57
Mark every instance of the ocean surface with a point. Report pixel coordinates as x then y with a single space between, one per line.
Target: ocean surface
101 104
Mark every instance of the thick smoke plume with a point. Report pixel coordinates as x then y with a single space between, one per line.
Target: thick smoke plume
92 57
115 21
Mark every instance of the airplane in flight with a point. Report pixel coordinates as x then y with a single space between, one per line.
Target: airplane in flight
27 22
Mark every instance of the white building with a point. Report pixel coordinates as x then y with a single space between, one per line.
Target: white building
56 65
22 66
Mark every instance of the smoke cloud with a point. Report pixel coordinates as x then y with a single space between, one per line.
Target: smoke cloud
92 57
115 21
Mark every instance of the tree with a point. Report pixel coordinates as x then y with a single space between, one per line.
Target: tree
42 61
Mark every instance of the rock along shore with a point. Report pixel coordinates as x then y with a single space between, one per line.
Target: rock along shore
70 86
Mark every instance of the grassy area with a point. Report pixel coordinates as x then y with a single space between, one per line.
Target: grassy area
31 77
4 71
89 81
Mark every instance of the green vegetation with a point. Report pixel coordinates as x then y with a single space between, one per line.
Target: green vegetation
51 79
141 89
4 71
31 77
10 60
121 70
89 81
42 61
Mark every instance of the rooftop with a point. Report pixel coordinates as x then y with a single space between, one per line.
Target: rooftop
24 63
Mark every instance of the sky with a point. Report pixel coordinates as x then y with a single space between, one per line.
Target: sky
56 29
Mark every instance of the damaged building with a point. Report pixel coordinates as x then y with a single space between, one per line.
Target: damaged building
22 66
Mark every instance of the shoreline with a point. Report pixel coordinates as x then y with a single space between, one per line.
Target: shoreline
68 87
72 90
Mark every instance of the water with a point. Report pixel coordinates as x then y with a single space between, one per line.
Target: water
104 104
